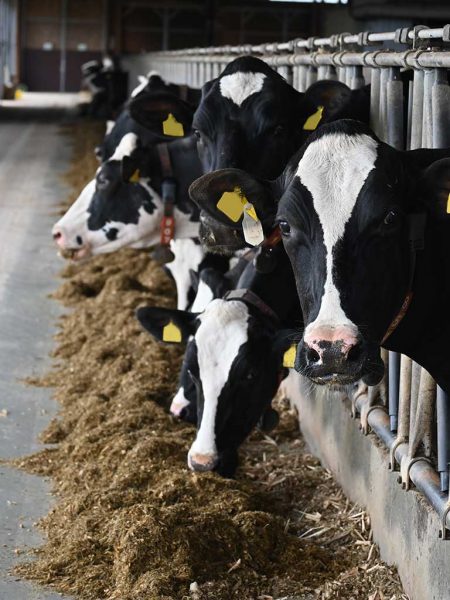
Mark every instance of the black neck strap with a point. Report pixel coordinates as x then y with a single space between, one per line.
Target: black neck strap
250 298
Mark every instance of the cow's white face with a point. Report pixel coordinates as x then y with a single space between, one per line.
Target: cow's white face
240 85
333 220
110 213
222 331
334 169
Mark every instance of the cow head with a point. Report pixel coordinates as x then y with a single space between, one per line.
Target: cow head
235 371
347 217
221 197
114 210
250 118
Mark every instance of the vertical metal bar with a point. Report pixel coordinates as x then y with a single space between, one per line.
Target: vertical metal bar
443 441
440 99
417 110
394 109
311 76
357 79
394 388
383 128
404 397
63 47
375 100
410 103
427 115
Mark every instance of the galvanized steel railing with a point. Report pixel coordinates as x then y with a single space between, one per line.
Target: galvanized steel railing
407 412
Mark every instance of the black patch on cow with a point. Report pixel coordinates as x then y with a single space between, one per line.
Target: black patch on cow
111 234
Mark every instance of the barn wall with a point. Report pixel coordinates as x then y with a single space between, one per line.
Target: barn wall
58 36
405 527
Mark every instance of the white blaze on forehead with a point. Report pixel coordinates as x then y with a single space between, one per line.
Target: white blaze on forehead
239 86
334 169
203 297
126 146
188 255
223 330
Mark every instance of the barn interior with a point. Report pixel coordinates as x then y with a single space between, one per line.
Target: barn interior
98 500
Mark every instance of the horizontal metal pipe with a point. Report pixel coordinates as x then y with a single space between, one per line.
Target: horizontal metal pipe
378 58
421 472
308 44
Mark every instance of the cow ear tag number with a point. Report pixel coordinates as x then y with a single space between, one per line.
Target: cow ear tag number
172 127
313 120
233 205
171 333
289 357
135 177
448 205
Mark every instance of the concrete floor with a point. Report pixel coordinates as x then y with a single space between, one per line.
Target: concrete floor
32 158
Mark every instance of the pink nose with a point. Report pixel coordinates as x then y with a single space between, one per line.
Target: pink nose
341 339
202 462
58 236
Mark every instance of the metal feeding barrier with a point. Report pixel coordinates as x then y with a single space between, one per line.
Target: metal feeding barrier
408 412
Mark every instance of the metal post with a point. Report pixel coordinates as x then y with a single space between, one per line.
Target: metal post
440 98
394 387
394 112
427 115
443 441
417 110
375 82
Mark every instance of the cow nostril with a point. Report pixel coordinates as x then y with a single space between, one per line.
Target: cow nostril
312 356
79 240
57 235
354 354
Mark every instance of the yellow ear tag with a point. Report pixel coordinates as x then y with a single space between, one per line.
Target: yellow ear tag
232 204
172 127
448 204
171 333
313 120
289 357
135 177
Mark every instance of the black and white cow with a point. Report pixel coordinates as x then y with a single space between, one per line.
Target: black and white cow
235 359
251 118
157 95
367 230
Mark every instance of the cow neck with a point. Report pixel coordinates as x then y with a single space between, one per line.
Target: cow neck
417 223
251 299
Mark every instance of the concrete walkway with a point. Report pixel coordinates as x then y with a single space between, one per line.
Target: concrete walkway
32 158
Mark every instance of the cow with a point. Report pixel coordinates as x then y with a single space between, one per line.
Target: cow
122 205
157 96
234 359
367 229
250 118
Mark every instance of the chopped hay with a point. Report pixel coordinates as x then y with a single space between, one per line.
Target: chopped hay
131 521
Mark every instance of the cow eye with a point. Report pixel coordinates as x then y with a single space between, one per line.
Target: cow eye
285 228
197 134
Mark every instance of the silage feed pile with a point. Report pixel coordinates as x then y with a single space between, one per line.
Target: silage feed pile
130 521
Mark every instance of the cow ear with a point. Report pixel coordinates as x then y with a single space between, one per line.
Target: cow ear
327 101
166 324
162 113
130 169
435 188
223 194
285 346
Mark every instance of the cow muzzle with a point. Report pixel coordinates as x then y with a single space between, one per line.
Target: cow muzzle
76 249
338 356
330 355
202 462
